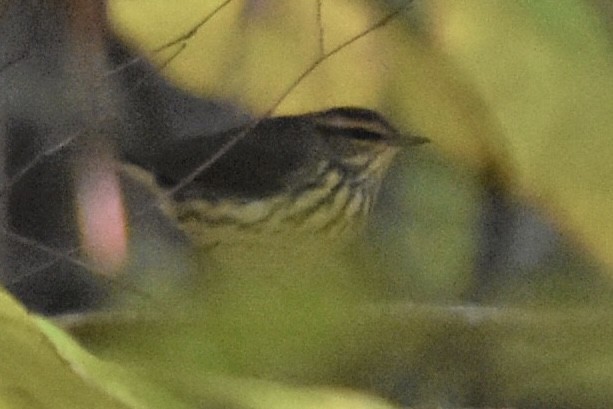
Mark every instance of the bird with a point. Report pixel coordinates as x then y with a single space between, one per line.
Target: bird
312 175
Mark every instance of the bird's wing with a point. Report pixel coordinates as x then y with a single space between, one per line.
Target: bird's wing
261 163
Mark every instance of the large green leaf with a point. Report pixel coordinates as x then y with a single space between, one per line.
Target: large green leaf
43 367
33 373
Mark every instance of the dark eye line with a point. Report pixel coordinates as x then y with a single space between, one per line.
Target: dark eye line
351 133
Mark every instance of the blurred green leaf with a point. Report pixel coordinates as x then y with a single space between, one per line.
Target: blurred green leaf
42 367
34 374
544 70
524 85
116 382
524 88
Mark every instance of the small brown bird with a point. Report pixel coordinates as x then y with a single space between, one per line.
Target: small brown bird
312 174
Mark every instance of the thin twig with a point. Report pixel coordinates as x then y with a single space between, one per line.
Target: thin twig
160 68
59 255
194 30
67 255
225 148
182 38
37 159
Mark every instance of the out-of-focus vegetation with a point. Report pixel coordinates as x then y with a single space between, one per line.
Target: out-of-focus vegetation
524 85
485 277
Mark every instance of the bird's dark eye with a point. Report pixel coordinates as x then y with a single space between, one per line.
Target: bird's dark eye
361 133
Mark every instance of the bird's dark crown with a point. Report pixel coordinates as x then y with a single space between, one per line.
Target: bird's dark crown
355 123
